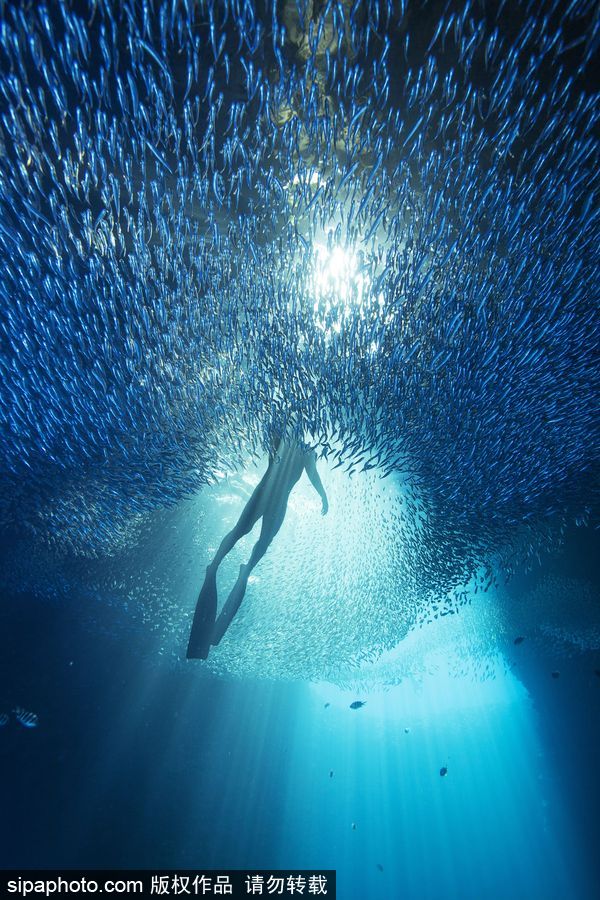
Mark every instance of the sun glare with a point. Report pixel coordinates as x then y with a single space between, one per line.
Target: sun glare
339 286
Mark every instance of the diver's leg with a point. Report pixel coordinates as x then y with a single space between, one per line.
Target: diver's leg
271 524
244 525
206 606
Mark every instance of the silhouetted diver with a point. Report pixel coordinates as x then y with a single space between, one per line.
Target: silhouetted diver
269 500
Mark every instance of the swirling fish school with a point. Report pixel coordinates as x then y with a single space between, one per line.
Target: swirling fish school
169 176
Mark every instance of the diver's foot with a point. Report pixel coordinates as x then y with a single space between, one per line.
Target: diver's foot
232 604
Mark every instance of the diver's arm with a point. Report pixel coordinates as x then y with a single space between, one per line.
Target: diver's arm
311 470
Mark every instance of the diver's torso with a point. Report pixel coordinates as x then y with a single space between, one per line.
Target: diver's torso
285 468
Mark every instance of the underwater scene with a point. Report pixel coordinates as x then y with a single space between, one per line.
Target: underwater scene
300 442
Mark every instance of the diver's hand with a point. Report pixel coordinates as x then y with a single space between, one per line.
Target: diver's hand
325 507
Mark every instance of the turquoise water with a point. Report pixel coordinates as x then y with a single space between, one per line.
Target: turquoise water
142 761
372 227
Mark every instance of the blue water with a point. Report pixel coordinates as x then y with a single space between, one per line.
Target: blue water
374 226
141 762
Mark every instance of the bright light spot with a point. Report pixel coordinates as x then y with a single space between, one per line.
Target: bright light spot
342 290
312 178
339 286
337 276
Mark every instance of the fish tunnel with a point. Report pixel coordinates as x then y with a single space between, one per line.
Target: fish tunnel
365 235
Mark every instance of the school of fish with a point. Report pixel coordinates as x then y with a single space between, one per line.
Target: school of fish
375 223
